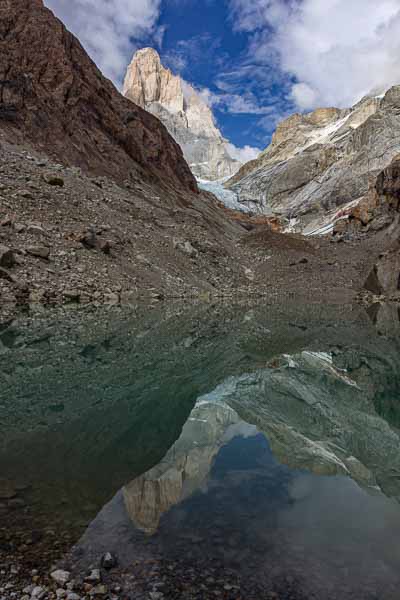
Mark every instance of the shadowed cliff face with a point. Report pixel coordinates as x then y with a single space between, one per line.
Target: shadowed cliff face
54 97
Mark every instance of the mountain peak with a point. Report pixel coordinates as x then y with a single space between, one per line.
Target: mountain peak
184 112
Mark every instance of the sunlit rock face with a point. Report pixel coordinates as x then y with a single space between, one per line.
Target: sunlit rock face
184 468
319 163
187 117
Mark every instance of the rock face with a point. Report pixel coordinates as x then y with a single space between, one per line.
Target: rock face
379 212
54 97
323 160
184 468
186 116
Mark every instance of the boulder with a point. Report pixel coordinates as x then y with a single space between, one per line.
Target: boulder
54 180
7 258
39 251
72 295
185 246
384 277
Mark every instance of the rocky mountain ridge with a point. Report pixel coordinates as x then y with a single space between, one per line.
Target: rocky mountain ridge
53 96
323 161
182 110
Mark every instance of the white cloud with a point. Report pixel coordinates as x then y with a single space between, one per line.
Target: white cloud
303 95
336 50
108 29
233 103
242 154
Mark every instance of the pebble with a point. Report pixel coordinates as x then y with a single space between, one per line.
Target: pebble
94 575
98 590
61 577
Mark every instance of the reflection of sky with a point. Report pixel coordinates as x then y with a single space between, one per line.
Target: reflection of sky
220 494
278 516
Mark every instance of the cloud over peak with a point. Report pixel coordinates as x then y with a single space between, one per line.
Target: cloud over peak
108 29
336 51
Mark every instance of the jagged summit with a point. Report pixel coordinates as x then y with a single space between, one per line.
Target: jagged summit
180 107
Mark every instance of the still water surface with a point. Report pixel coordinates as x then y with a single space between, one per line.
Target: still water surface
259 445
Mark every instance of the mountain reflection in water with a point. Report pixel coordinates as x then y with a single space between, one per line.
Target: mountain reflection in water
219 495
287 472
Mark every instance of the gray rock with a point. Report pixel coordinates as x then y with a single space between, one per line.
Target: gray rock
98 590
35 229
28 589
54 180
94 576
60 576
19 227
185 247
39 251
384 277
111 299
72 295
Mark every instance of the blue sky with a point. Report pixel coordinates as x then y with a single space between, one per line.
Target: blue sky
254 61
200 43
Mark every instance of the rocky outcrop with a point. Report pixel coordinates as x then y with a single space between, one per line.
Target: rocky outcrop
385 275
54 97
186 116
322 161
378 213
379 209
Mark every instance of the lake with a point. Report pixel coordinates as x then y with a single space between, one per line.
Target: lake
216 451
